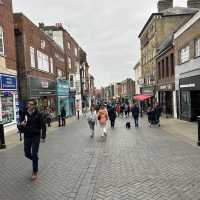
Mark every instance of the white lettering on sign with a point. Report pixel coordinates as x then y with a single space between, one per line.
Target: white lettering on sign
44 84
188 85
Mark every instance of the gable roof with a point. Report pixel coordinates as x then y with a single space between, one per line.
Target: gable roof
171 12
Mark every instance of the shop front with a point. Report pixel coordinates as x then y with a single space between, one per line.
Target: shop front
148 91
189 98
165 98
8 99
63 96
72 102
44 91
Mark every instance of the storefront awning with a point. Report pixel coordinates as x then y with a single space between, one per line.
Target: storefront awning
141 97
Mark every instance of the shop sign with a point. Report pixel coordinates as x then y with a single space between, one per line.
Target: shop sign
41 87
62 88
147 91
190 83
166 87
8 82
44 84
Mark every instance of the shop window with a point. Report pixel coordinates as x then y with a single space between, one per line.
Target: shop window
184 54
1 41
32 55
7 113
185 103
197 47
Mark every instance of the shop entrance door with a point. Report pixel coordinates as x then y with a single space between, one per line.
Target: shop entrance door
169 103
195 105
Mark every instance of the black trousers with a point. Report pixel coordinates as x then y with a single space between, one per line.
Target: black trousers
31 148
112 123
63 121
136 121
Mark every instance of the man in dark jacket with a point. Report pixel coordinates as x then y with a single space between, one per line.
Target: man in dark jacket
135 113
112 115
158 111
63 115
33 123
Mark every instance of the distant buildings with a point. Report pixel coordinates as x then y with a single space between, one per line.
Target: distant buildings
121 91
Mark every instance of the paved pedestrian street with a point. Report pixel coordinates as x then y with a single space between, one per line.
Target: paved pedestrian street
136 164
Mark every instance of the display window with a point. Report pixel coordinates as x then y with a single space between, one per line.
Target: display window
7 114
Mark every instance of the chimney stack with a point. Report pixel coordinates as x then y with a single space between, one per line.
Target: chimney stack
164 5
41 25
193 4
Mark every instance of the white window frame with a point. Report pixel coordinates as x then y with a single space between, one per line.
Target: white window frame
69 62
69 45
2 41
51 65
32 56
197 47
185 54
75 51
60 73
43 61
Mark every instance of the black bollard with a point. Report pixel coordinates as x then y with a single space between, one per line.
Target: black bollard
2 137
59 120
198 120
78 114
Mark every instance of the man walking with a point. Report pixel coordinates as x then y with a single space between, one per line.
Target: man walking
32 122
63 115
135 114
158 111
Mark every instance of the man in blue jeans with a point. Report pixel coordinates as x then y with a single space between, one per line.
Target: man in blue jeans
33 124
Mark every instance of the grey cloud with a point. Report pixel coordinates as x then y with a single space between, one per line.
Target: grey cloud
107 29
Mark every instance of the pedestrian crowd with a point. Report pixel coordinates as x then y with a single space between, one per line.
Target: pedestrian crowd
104 112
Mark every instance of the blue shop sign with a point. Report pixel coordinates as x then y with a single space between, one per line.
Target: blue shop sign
8 82
62 88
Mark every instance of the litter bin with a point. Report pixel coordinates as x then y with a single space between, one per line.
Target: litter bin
2 137
198 120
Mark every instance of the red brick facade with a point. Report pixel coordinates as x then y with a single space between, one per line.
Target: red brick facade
6 21
29 35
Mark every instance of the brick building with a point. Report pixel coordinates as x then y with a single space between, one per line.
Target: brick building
128 89
76 63
39 62
187 69
8 81
166 76
157 28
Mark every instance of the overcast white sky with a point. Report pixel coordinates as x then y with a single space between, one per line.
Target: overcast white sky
106 29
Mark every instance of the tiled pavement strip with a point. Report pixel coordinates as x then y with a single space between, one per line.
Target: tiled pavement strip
142 164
